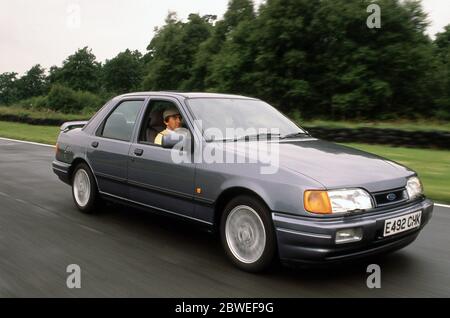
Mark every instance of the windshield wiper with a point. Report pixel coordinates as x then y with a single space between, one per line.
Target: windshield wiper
267 136
293 135
257 136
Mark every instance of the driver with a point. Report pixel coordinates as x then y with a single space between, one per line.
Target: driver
172 119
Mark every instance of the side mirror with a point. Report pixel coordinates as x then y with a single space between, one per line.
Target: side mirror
169 141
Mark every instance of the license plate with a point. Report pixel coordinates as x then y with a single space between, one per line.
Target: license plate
402 223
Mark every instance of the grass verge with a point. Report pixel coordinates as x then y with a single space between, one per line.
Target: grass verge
42 134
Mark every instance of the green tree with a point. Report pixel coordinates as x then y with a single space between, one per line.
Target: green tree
8 88
172 50
237 12
53 75
67 100
33 83
442 52
281 41
320 58
360 72
442 41
229 68
311 58
80 71
123 73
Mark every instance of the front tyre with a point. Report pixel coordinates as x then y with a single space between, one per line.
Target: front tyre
247 234
84 189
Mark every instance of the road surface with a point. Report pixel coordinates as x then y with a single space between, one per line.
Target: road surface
125 252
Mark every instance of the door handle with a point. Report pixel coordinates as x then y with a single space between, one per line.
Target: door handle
138 152
94 144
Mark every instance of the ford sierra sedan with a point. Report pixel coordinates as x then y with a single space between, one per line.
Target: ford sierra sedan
241 168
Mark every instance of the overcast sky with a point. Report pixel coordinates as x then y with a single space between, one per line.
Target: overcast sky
47 31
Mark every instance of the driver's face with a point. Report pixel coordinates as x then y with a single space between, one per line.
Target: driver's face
173 122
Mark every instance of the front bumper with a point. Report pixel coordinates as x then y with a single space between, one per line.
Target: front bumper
312 239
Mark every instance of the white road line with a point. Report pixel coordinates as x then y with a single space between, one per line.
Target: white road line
20 200
27 142
90 229
442 205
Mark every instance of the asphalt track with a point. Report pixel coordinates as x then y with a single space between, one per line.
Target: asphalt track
125 252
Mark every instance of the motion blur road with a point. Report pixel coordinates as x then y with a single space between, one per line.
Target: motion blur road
126 252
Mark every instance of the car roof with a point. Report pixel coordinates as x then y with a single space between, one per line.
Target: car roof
186 95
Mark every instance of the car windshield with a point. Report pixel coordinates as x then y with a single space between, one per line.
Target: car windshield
234 119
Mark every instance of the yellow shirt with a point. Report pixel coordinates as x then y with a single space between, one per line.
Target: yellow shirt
158 139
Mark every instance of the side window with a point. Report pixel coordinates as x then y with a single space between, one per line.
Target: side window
153 121
120 123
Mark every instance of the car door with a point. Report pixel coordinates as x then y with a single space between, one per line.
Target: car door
154 179
108 150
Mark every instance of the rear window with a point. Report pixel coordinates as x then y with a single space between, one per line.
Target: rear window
120 123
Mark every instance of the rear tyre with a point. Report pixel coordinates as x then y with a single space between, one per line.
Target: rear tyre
84 190
247 234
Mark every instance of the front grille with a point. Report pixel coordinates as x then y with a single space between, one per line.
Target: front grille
390 197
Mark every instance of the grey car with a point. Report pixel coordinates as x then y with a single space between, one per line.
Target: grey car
241 168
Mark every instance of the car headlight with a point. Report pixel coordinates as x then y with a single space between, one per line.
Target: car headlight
336 201
414 187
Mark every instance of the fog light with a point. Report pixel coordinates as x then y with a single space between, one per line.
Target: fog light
349 235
